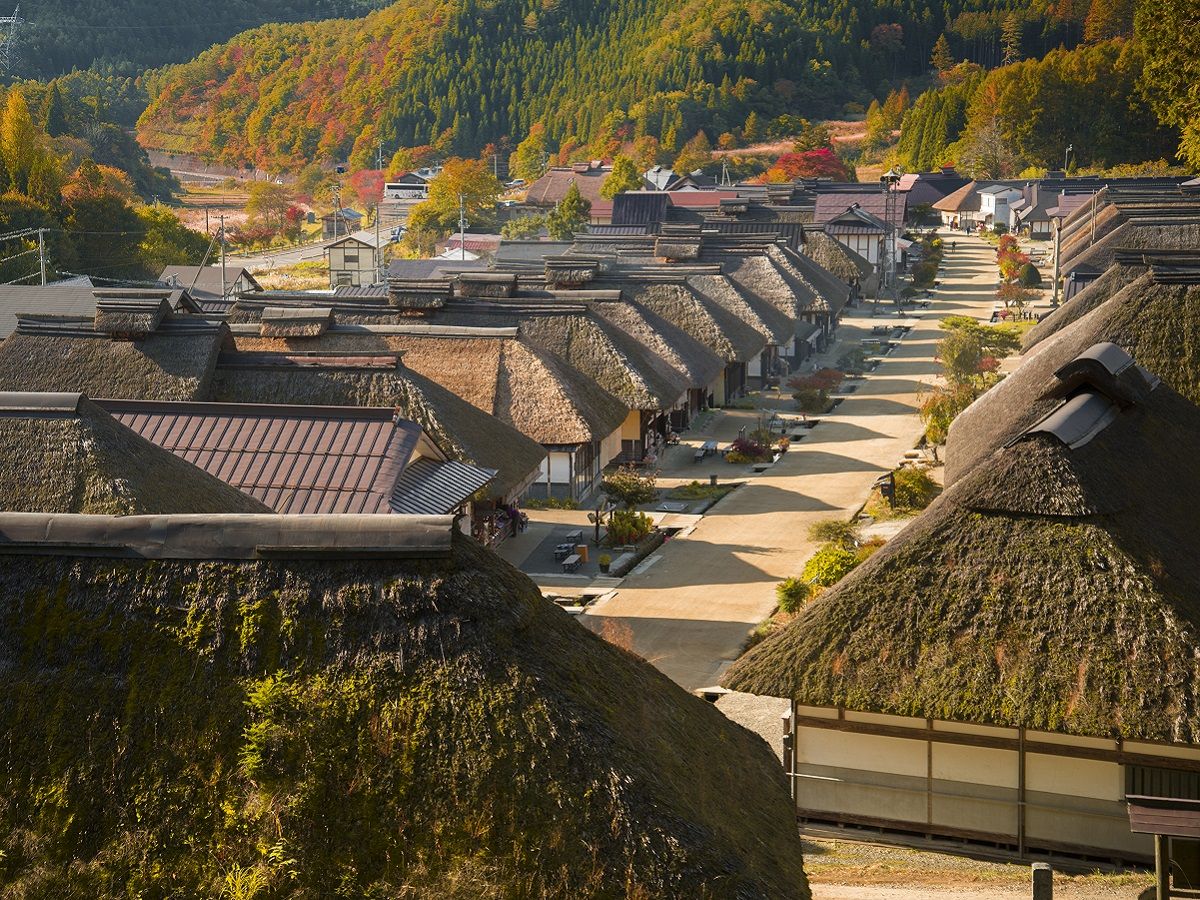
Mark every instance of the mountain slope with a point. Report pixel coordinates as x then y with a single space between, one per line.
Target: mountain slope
484 69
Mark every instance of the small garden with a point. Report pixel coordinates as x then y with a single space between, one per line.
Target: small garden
812 392
627 488
1019 279
910 490
695 490
924 272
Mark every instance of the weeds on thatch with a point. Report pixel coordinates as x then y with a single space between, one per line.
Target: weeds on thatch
420 728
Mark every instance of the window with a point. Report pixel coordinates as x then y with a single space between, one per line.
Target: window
343 279
350 258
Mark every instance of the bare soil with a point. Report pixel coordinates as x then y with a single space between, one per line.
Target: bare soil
850 870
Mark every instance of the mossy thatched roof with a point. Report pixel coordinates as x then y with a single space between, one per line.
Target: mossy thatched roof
1050 587
835 257
1114 279
732 338
1155 320
175 362
60 453
427 728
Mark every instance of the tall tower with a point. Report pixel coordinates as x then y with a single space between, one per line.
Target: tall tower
9 26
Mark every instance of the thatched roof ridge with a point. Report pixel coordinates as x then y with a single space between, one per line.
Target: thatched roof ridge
1154 322
663 340
176 362
834 256
1132 235
60 453
1114 279
461 431
759 275
1046 588
293 322
412 725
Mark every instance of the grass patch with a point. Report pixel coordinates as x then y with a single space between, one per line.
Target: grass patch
695 490
310 275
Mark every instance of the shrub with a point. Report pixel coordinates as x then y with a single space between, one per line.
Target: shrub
753 450
628 526
853 362
550 503
811 400
924 274
1029 276
629 486
821 380
791 594
914 488
834 531
867 549
829 564
737 459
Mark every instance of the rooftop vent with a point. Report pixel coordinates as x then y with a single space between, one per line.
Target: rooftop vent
485 285
128 317
570 271
39 402
1079 419
1107 369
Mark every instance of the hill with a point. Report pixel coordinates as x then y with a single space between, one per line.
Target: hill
469 72
127 36
420 724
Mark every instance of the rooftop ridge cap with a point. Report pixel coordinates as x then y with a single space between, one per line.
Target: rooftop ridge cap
294 410
233 536
41 401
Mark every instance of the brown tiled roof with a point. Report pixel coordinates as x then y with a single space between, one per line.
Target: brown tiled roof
553 186
297 460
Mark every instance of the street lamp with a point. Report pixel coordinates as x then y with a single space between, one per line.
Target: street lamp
1066 156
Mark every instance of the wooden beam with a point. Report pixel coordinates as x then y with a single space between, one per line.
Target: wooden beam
1162 867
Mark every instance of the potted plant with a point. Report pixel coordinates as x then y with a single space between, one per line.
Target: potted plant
605 561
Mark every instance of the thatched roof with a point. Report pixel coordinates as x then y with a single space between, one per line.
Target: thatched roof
664 340
60 453
732 338
524 386
834 256
759 275
175 362
1154 318
1131 235
418 724
292 322
1054 586
461 431
768 321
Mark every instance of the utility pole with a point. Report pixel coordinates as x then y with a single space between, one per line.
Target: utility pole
1066 156
42 253
222 256
462 229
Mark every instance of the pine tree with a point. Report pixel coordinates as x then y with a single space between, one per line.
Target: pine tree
1010 38
570 216
696 154
1108 19
751 131
942 59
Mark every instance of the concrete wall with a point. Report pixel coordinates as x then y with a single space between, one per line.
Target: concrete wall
961 779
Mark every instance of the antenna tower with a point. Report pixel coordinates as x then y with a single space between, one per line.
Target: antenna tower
9 25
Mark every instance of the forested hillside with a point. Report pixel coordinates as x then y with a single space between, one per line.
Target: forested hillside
127 36
468 72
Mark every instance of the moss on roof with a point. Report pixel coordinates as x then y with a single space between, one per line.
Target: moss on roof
1050 587
87 462
423 728
1156 323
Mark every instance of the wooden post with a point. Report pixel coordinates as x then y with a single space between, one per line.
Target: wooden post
1162 867
1043 882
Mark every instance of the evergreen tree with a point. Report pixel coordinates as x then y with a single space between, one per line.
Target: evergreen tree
1112 18
528 161
751 131
942 59
54 112
1168 36
624 177
570 216
1010 38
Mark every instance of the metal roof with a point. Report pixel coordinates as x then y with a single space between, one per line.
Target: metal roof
297 460
429 487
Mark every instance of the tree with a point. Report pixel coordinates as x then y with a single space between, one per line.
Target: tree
523 228
696 154
528 161
367 186
751 131
941 59
1111 18
645 152
167 242
470 179
630 487
985 152
624 177
1170 42
1010 38
54 112
570 216
822 163
269 201
21 142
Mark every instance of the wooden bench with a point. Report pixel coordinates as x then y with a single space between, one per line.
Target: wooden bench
572 563
699 455
575 537
562 551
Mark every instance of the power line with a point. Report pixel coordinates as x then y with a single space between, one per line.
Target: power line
24 277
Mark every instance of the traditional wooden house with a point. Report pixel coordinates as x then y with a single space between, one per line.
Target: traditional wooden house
356 259
313 460
1152 318
62 453
212 288
344 671
1017 666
